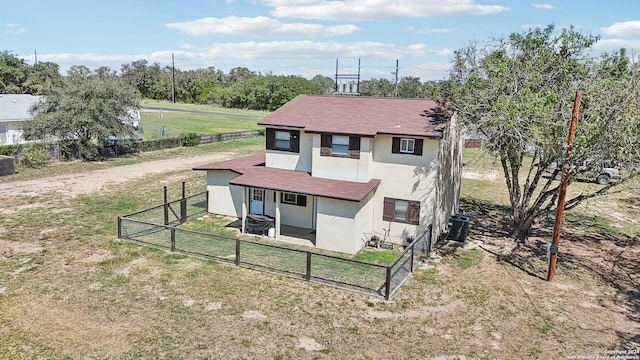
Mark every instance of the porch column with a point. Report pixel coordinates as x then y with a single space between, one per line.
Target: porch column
277 214
245 190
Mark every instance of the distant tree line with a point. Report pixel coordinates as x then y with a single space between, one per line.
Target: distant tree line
240 88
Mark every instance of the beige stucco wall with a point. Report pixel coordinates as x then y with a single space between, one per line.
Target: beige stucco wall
341 224
224 199
404 176
292 161
449 176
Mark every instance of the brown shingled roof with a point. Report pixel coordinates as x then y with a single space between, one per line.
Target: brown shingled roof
235 165
253 173
358 115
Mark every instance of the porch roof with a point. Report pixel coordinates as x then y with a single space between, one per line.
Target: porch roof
253 173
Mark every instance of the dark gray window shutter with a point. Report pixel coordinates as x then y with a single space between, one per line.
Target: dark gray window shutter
413 213
417 148
295 141
354 147
388 209
325 145
271 138
301 200
395 145
354 143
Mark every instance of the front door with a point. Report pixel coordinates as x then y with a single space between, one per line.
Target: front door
257 201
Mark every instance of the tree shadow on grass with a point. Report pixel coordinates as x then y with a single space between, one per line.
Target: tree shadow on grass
487 218
612 260
585 244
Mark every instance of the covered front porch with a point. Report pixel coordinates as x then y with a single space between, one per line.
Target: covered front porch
288 234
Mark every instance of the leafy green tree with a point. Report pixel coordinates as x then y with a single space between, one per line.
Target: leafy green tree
327 83
13 72
85 109
518 92
145 78
42 77
410 87
377 87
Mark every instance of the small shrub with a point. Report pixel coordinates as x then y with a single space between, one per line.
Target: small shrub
190 139
10 150
34 155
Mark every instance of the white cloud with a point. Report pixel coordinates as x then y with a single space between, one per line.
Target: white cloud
14 29
377 9
543 6
304 50
628 28
431 30
260 26
611 45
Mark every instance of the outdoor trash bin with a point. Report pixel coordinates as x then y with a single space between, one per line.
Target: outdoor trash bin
458 228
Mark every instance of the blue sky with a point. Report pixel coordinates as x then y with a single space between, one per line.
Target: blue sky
294 37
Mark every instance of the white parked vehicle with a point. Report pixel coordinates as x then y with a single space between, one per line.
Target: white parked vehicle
589 170
132 118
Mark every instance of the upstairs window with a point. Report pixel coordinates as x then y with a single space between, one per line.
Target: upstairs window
407 146
340 145
283 140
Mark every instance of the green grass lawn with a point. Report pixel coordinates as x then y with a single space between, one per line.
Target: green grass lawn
198 107
176 123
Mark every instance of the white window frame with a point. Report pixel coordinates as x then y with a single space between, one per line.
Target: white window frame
289 201
340 144
258 194
282 137
401 210
407 145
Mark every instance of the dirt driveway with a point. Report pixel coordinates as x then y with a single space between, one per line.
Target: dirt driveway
83 183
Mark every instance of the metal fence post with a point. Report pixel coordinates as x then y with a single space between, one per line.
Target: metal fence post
207 201
308 275
413 246
166 206
173 239
119 227
237 252
387 288
183 205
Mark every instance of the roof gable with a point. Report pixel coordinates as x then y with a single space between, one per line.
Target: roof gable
365 116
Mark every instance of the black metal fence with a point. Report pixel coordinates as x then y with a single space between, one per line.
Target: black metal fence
158 226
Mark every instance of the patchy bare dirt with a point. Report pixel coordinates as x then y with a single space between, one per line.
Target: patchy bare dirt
87 182
67 292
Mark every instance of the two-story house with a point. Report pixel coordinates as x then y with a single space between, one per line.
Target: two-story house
344 167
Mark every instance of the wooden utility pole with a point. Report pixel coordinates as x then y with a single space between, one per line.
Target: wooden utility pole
395 91
553 249
173 79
